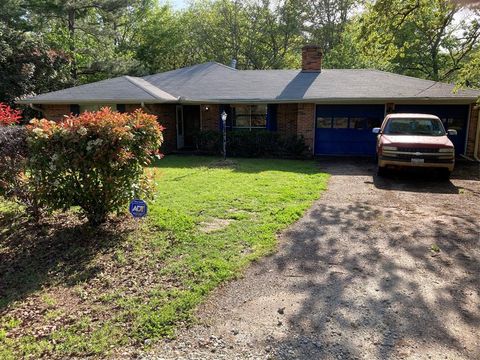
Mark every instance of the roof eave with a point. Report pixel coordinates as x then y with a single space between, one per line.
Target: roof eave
93 101
365 100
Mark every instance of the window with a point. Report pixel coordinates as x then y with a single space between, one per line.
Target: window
340 122
249 116
324 122
121 108
358 123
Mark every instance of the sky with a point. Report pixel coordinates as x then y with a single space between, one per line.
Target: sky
178 4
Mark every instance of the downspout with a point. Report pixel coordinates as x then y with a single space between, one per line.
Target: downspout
146 108
36 108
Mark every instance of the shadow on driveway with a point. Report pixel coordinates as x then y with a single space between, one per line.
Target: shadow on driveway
385 274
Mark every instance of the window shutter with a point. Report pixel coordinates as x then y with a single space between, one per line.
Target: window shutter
75 109
272 117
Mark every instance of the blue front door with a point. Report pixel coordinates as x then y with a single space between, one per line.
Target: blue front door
347 129
453 117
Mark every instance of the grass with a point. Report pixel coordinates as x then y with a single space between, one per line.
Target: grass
94 293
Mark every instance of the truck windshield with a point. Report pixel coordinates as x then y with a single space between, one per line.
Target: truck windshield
429 127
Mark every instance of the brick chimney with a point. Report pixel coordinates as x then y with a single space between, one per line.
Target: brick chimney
311 58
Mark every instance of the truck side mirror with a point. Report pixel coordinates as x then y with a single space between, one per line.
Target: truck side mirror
376 130
452 132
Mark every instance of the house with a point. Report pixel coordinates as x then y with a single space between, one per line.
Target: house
333 109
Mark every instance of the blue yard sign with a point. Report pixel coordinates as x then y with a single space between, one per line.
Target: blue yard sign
138 208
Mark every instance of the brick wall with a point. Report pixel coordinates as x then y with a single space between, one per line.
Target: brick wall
287 119
209 115
167 118
305 124
55 112
472 130
312 58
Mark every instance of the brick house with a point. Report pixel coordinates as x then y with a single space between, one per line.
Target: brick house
333 109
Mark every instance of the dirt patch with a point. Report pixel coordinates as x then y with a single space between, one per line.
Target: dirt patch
379 268
213 225
58 273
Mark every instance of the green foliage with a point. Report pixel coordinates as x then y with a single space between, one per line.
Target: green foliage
161 40
28 66
469 75
426 39
257 143
15 184
171 262
258 34
325 20
47 45
94 161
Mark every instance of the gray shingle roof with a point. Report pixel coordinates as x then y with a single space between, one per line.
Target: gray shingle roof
125 89
213 82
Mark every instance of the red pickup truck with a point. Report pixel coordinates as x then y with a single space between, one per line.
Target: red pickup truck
414 140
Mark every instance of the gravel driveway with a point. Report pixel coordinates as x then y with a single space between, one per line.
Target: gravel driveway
377 269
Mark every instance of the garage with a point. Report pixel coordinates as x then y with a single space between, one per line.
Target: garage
347 129
453 117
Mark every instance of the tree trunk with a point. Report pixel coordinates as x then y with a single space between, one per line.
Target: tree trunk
73 49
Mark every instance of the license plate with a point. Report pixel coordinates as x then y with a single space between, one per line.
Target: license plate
418 161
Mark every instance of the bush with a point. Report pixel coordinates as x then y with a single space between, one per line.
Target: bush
256 143
9 116
14 182
209 142
94 161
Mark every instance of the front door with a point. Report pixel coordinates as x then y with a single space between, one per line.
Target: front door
180 128
191 125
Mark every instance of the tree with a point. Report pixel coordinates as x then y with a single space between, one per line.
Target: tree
161 40
93 32
325 21
258 34
469 75
421 38
273 38
28 66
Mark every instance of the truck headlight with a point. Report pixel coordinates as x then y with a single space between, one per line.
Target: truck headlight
446 150
390 148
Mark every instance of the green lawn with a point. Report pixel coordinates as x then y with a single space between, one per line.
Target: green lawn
94 291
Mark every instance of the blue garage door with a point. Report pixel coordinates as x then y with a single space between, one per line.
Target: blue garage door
453 117
347 129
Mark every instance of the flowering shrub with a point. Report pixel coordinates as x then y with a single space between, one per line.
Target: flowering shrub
14 182
9 116
94 160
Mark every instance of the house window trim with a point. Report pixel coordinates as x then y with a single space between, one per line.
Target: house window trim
250 127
